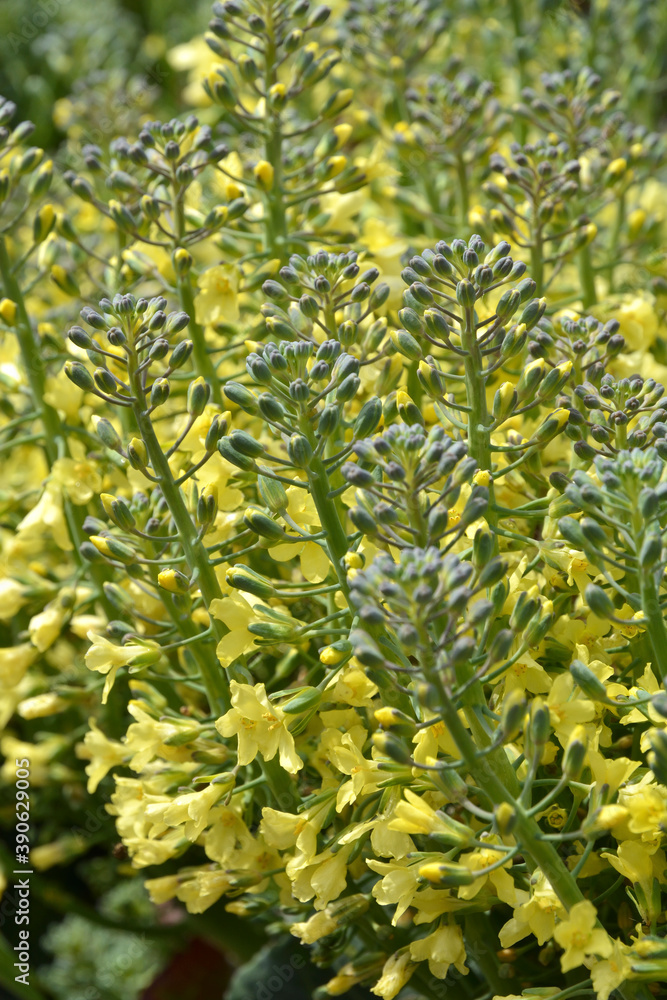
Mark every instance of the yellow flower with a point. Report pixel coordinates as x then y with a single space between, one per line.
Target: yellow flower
14 662
78 478
45 627
638 863
149 737
58 852
102 753
611 973
204 888
41 705
647 803
12 598
567 708
318 926
47 517
579 936
260 726
416 816
324 878
536 914
263 172
313 559
395 974
217 298
107 658
352 687
190 811
441 949
162 889
237 614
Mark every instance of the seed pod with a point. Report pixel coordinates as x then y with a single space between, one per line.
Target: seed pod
272 631
392 746
79 375
174 581
180 353
575 753
368 418
244 579
108 435
540 725
599 601
504 401
114 549
245 444
240 396
446 876
199 392
657 757
304 700
406 344
229 452
589 683
505 818
299 451
514 711
272 493
263 525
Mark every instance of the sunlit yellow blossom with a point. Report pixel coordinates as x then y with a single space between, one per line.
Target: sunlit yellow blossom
580 937
612 972
260 726
101 752
395 974
442 949
217 298
107 658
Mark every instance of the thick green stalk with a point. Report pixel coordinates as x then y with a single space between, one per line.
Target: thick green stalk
202 359
650 599
655 623
464 195
479 435
537 260
616 237
275 223
327 510
587 278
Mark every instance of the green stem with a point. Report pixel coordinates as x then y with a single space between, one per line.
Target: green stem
527 832
587 278
202 359
33 363
336 537
195 552
616 236
464 195
203 571
479 435
275 223
54 440
655 623
537 261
